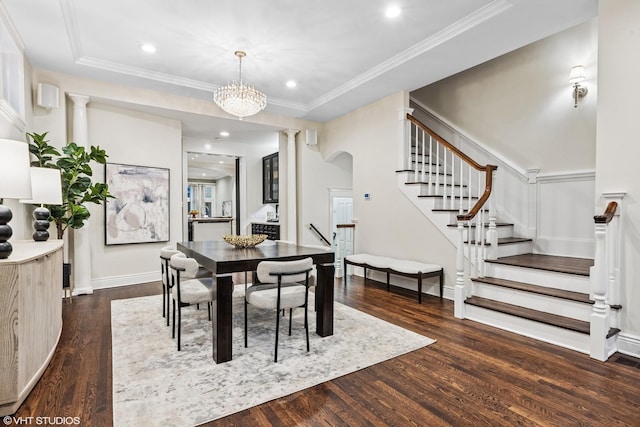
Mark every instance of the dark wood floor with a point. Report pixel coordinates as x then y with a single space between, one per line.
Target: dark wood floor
473 376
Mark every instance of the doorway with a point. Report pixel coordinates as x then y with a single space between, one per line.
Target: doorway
342 227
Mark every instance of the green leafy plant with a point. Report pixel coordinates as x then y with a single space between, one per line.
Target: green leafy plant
77 188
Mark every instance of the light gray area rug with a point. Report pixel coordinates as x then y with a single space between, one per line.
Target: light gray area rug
155 385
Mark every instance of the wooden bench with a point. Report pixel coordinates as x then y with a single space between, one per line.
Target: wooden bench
399 267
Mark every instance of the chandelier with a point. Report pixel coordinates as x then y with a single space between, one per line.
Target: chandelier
238 98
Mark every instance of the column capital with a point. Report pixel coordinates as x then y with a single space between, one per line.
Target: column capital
291 132
402 113
79 99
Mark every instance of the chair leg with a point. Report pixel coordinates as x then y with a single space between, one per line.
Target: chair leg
306 325
277 330
179 323
164 298
209 310
173 329
245 322
290 317
167 302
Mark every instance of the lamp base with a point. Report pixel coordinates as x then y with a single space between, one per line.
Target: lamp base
41 224
5 232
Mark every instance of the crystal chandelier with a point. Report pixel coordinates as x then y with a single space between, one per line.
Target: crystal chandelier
238 98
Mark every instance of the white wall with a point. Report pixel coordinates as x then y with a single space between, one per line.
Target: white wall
520 104
316 176
133 138
224 192
388 224
617 144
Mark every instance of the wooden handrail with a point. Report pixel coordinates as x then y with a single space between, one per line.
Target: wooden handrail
485 196
608 214
345 225
488 169
446 143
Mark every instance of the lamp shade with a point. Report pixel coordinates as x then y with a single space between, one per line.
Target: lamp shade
577 74
46 187
15 177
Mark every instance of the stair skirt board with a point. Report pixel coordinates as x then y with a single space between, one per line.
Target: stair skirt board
565 281
542 332
544 303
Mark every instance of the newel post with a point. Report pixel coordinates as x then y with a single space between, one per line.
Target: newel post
460 294
599 318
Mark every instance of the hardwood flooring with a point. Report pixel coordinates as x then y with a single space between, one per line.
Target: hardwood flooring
474 375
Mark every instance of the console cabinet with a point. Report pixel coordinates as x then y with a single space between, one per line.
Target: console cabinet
271 230
270 190
30 318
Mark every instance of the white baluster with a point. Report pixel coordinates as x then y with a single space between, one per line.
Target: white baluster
437 167
430 165
462 181
423 156
453 186
415 155
444 178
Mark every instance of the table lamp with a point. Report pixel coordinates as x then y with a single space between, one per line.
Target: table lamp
15 182
46 189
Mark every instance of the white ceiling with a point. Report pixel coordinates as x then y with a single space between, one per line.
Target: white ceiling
342 54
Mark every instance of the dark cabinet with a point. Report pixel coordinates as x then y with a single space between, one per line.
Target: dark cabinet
270 178
271 230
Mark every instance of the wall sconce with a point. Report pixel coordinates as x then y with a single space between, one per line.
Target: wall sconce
577 76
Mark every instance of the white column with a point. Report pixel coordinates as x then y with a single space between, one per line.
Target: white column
81 257
292 188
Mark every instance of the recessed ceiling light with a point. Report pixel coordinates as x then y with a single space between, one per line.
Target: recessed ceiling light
392 11
224 133
149 48
207 146
291 84
204 174
221 162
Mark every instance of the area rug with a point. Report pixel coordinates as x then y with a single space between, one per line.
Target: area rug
155 385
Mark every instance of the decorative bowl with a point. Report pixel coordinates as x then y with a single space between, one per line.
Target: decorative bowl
245 241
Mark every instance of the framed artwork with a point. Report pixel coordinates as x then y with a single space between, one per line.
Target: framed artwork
139 211
226 208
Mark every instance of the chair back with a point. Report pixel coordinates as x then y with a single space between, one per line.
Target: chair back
188 266
165 255
267 270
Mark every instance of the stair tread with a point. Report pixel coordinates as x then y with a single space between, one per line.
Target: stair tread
560 264
530 314
506 241
433 183
498 224
537 289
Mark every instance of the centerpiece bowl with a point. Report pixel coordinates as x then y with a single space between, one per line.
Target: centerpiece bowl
245 241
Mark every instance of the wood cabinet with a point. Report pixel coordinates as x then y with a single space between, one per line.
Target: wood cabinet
270 192
271 230
30 318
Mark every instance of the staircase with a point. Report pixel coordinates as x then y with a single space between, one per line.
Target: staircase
500 281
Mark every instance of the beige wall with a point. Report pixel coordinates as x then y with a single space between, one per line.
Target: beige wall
617 139
520 104
388 224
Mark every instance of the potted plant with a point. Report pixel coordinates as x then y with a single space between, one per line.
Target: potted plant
77 188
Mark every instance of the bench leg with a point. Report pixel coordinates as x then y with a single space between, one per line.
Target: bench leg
387 281
441 283
419 288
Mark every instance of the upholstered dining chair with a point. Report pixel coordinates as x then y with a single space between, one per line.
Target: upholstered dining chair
165 255
187 289
280 285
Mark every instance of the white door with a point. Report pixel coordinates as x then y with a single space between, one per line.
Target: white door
341 213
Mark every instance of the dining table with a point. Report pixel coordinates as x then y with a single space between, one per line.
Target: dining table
224 259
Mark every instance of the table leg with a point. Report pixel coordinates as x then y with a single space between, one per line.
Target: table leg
222 292
324 297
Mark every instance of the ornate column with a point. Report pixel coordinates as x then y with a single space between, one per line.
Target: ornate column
81 256
292 188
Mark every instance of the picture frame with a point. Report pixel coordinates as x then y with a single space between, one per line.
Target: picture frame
139 211
226 208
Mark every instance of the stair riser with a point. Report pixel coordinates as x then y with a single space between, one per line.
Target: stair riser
540 331
438 190
543 303
515 249
568 282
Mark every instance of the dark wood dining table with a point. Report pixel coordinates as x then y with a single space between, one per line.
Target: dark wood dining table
222 259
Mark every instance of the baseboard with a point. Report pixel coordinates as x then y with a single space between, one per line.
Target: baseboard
125 280
629 345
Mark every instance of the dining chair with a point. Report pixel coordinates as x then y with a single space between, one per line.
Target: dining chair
165 255
280 285
187 292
